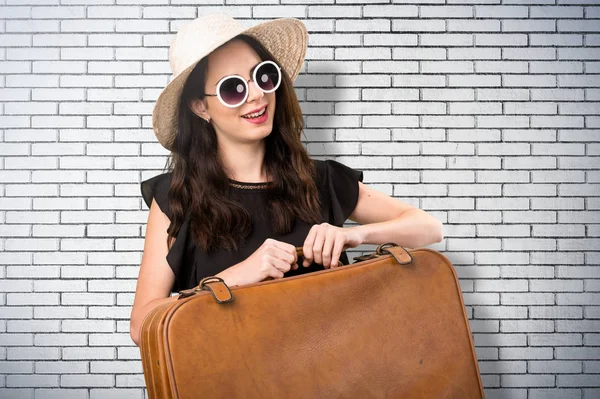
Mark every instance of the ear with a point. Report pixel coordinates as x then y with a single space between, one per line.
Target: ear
199 108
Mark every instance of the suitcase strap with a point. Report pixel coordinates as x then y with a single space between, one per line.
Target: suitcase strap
217 287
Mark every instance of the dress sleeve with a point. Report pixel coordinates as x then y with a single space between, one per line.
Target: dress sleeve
157 187
342 182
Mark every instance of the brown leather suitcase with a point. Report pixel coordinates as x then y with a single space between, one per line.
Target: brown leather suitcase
390 325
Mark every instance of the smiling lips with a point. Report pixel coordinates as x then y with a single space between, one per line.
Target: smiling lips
255 114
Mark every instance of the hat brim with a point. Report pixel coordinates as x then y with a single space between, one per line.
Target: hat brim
285 38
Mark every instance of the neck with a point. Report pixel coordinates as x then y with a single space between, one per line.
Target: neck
244 161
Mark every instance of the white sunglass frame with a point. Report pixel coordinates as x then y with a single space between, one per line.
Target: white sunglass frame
218 90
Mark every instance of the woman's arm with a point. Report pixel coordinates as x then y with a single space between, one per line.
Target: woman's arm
155 276
386 219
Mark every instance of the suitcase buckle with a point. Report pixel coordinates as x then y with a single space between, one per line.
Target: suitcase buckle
215 285
380 251
400 254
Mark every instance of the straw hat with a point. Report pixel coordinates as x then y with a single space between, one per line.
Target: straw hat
285 38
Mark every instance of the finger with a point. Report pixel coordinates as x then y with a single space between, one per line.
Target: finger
287 248
283 250
328 247
292 249
337 252
318 245
290 258
299 255
280 265
308 245
272 271
276 273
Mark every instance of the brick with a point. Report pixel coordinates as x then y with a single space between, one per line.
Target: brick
58 393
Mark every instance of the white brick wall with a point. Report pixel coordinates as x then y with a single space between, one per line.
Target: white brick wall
485 114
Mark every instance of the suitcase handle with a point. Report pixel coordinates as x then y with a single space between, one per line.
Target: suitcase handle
300 252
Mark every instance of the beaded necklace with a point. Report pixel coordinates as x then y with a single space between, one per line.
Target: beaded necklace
249 186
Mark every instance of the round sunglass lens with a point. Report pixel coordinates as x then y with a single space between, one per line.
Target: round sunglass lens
267 76
233 91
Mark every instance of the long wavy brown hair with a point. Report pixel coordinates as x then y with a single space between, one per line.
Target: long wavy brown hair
199 184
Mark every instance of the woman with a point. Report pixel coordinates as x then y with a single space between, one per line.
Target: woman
242 192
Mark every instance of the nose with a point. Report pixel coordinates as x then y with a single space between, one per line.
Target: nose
254 92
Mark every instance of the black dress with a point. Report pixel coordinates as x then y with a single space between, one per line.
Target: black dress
338 191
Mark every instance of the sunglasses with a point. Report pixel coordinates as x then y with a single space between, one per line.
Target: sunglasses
232 90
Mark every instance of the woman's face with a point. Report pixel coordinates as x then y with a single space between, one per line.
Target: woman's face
236 57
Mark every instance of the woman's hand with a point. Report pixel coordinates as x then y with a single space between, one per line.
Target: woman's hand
271 260
324 244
